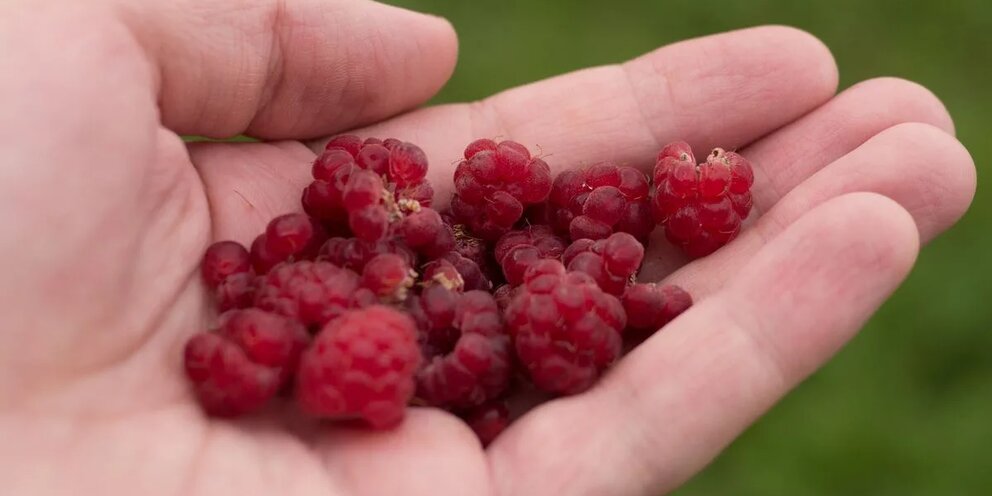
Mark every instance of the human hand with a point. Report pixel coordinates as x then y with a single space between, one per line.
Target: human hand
105 213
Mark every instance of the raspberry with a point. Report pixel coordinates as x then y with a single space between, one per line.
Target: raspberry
488 421
236 291
389 277
650 307
473 248
425 232
433 310
504 295
597 201
407 165
354 254
701 205
444 273
477 367
494 184
287 238
517 250
313 293
611 262
222 260
236 369
361 364
369 184
472 274
347 142
565 329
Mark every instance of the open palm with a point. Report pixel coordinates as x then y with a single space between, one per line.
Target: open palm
104 213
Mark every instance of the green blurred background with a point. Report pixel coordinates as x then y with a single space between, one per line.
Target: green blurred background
906 408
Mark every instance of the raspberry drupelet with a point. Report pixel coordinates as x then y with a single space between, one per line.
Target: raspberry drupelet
597 201
650 306
242 364
361 365
565 329
494 184
701 205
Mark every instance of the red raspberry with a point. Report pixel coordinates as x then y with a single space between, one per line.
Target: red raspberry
473 248
517 250
495 183
566 330
611 262
407 165
433 310
288 237
313 293
236 369
597 201
477 366
222 260
361 364
354 254
237 291
347 142
425 232
389 277
444 273
504 295
488 421
650 307
370 184
702 205
472 274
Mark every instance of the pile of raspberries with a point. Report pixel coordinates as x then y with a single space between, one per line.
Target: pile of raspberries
371 299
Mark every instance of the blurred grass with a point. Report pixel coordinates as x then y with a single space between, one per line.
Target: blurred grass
906 409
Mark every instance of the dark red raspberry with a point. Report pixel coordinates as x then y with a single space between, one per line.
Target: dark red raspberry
517 250
701 205
477 367
237 291
354 254
600 200
236 369
311 292
565 329
488 421
473 248
433 310
504 295
361 364
494 184
611 262
222 260
472 274
651 306
389 277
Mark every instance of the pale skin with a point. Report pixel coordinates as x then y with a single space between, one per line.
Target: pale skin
104 213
